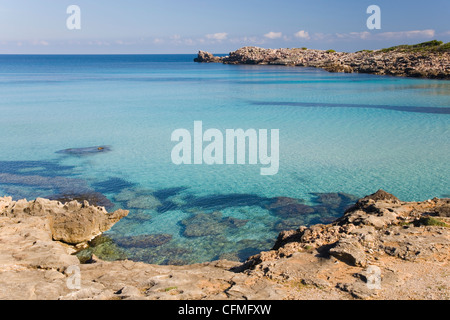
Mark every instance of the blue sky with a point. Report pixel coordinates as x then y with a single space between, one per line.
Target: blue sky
186 26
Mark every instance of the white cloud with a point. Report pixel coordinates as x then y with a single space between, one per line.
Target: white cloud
217 36
429 33
302 34
273 35
361 35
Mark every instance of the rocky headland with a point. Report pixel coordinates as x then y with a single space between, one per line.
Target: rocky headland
425 60
381 248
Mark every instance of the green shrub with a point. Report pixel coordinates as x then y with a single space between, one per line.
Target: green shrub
430 221
429 46
330 51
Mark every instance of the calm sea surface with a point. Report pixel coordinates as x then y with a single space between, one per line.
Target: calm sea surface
342 136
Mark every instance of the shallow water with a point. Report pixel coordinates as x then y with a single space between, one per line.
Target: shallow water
348 133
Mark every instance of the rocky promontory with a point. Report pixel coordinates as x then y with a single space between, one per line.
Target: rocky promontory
425 60
381 248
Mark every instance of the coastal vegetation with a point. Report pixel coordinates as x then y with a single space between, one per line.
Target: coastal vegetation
429 46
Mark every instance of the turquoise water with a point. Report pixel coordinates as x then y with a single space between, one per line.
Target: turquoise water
339 133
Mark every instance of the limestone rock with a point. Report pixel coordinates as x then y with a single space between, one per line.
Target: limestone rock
204 56
349 251
382 233
408 63
71 223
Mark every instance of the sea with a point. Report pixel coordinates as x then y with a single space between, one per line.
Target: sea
99 127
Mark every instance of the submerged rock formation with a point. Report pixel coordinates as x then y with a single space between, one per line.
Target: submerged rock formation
381 248
426 60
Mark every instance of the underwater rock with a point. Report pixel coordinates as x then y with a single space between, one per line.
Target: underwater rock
140 215
289 224
79 152
94 198
112 185
144 199
204 224
102 247
143 241
148 202
62 184
164 194
289 207
335 200
167 206
222 201
125 195
41 168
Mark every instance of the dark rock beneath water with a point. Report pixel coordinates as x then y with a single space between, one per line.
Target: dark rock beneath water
85 151
41 168
204 224
164 194
140 215
289 207
143 241
62 184
112 185
222 201
335 200
102 247
148 202
167 206
289 224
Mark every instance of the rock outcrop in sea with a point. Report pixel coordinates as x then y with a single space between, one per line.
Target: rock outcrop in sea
380 248
425 60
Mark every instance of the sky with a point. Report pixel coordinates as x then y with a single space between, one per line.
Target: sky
187 26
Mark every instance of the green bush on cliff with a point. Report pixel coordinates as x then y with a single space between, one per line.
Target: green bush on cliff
430 221
444 47
331 51
429 46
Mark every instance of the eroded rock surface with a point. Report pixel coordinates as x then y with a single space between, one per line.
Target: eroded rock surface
381 248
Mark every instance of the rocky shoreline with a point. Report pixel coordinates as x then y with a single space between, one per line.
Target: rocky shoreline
420 61
381 248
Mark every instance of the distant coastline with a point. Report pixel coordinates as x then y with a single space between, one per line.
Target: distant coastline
424 60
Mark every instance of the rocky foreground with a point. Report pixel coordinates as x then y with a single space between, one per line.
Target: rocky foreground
382 248
427 60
